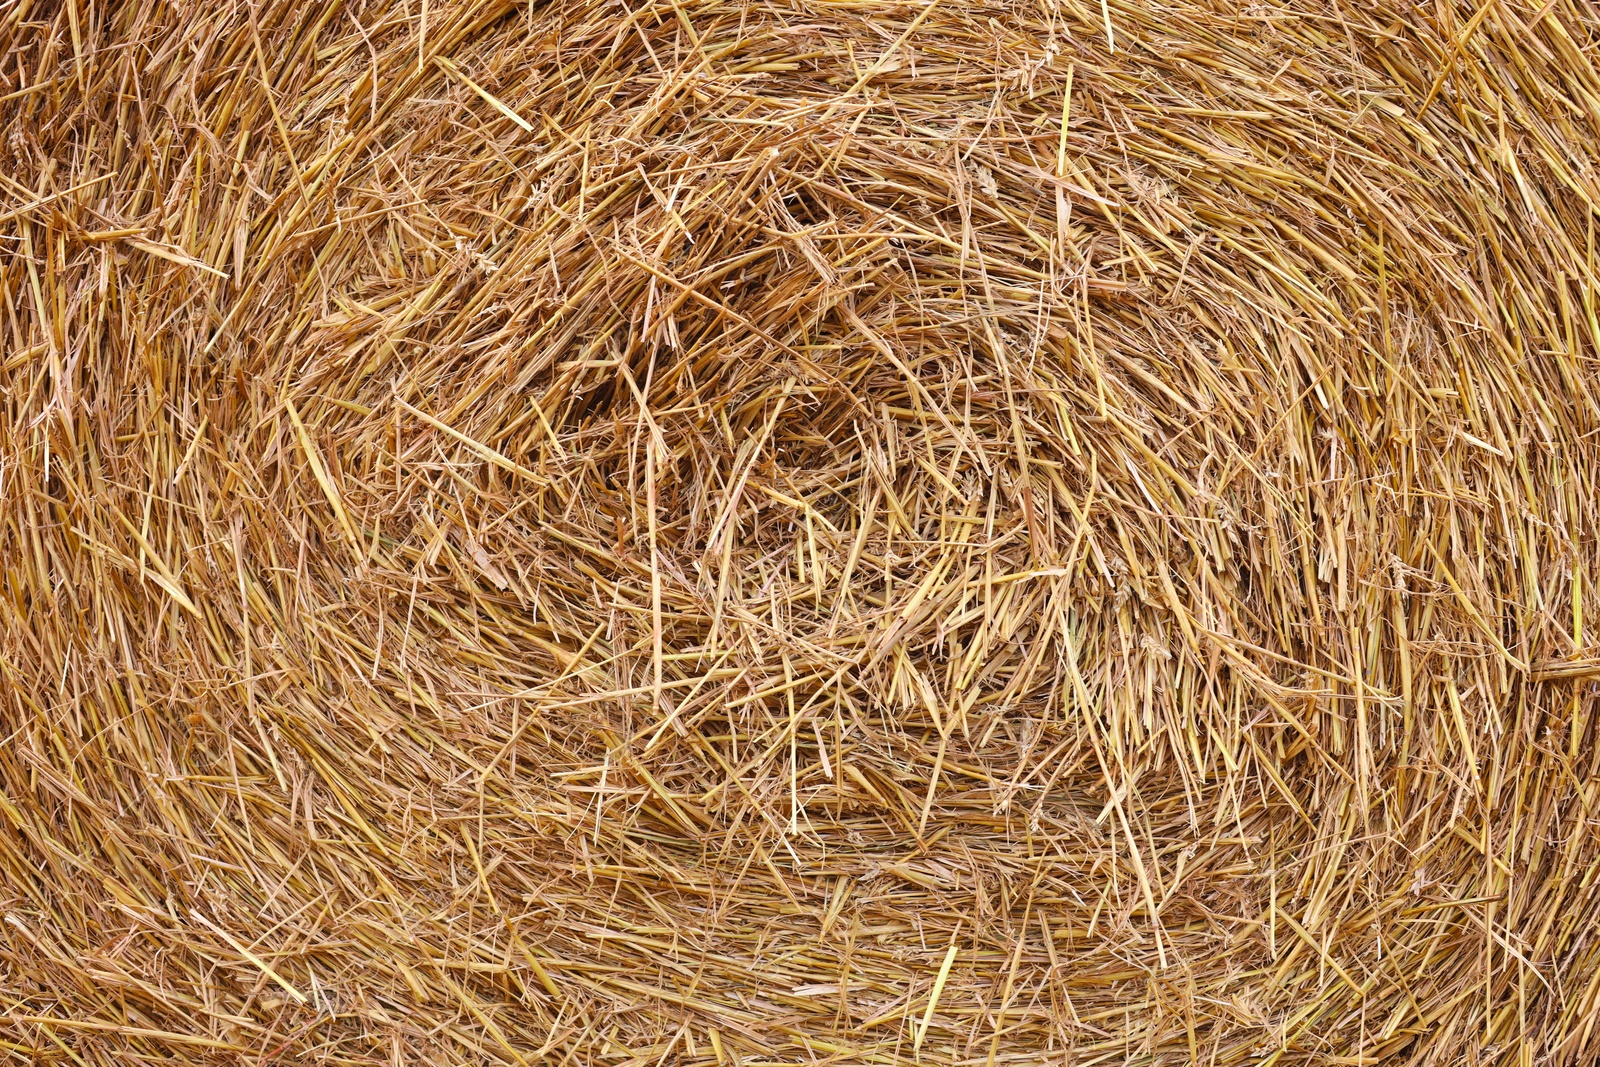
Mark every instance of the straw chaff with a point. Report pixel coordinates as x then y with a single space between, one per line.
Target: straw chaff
812 532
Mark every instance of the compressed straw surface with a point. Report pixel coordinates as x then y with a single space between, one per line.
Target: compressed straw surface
696 532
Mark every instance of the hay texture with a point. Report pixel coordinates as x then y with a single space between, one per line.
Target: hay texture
849 532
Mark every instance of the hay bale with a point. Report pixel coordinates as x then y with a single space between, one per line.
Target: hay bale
829 532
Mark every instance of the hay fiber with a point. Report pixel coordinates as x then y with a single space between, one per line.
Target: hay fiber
597 532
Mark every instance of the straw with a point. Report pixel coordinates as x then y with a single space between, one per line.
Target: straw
825 532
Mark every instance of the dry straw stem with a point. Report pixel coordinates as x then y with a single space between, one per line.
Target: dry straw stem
829 532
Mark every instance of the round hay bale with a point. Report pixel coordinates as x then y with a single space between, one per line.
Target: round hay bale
597 532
